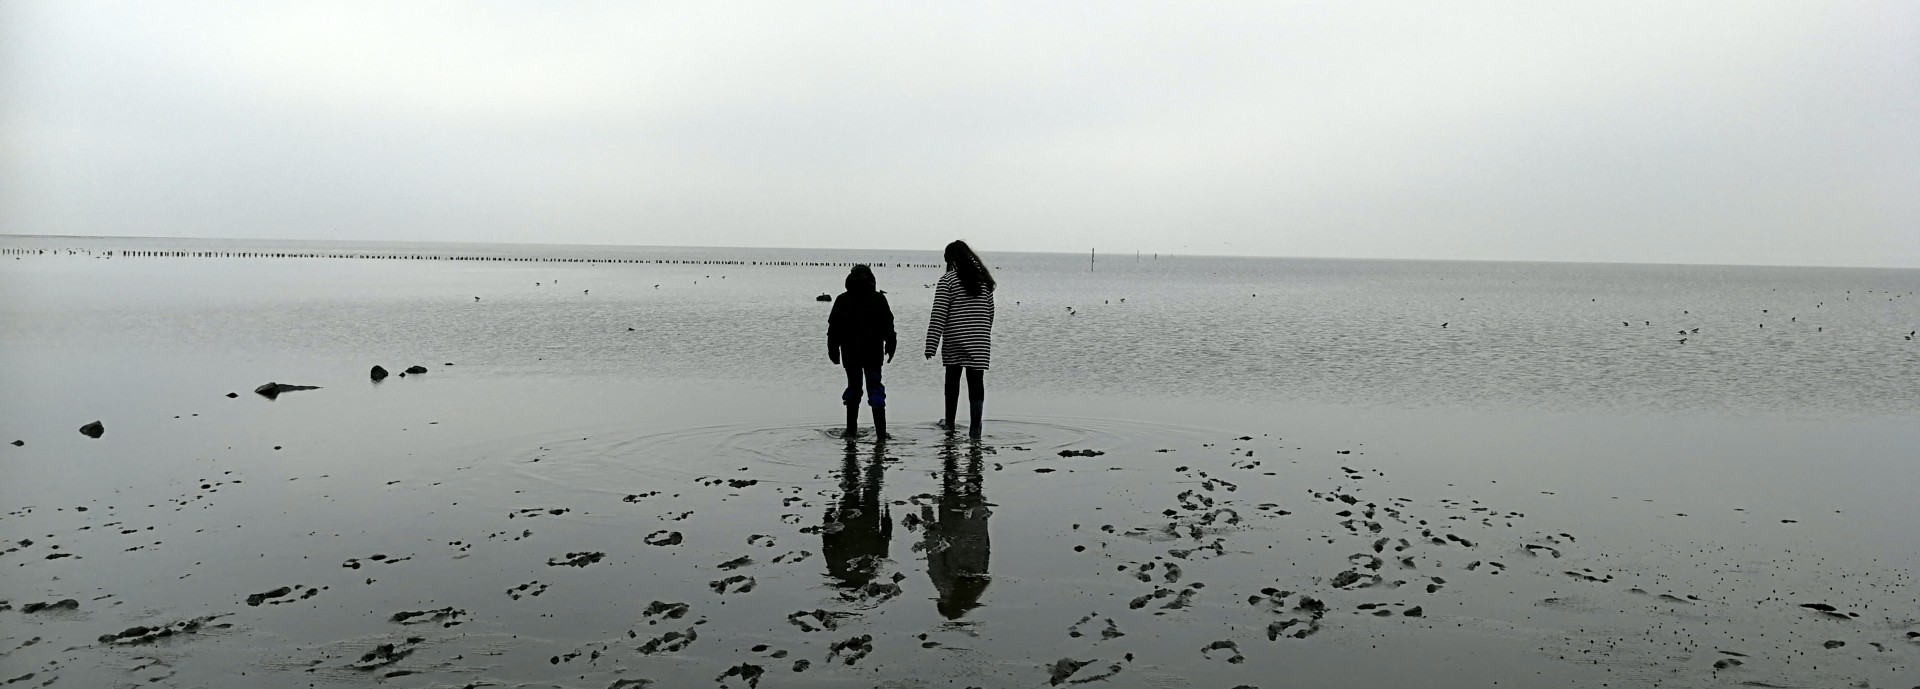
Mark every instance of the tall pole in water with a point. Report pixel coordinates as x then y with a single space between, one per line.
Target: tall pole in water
1089 260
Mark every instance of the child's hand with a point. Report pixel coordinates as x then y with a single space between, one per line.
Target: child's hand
889 357
833 357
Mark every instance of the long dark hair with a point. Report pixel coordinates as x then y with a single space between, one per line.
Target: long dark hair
861 280
973 271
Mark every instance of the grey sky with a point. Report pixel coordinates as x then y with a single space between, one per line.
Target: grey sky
1716 132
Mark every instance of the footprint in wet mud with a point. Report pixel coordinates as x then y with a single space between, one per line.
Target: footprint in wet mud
665 610
1112 630
531 588
663 537
1350 580
738 583
792 556
761 540
850 650
1208 651
1181 598
669 642
1069 671
637 497
747 672
817 620
874 593
736 563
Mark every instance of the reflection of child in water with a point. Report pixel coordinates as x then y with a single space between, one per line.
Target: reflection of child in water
957 543
857 529
859 331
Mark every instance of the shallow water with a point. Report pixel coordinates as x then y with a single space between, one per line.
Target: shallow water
1792 487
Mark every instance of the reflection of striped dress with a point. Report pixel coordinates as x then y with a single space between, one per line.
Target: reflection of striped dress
965 322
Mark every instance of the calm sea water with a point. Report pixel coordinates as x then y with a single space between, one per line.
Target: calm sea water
1621 338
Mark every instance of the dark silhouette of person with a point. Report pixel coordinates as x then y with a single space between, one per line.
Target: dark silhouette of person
956 540
859 332
961 327
856 547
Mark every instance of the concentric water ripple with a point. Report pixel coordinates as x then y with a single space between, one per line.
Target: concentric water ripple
611 459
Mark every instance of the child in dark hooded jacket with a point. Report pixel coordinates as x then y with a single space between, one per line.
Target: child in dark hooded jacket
860 338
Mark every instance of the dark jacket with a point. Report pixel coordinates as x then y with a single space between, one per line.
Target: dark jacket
860 327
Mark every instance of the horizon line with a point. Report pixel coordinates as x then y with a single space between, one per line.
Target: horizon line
1094 250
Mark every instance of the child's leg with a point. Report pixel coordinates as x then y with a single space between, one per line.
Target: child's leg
953 393
976 399
876 392
877 398
851 397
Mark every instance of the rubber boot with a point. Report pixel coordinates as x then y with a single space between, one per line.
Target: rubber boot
973 412
879 424
853 421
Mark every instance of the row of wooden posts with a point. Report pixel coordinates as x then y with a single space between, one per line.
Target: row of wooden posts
144 253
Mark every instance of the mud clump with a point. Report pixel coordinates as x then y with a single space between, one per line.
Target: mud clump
748 673
1064 668
854 649
671 611
273 390
663 538
576 559
386 654
146 635
262 597
93 430
67 604
447 617
1081 453
669 642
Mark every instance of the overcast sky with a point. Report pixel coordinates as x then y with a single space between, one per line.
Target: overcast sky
1697 132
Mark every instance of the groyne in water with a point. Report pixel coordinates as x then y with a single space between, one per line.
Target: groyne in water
411 256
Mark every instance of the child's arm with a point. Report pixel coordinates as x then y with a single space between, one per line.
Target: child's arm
937 323
835 321
886 325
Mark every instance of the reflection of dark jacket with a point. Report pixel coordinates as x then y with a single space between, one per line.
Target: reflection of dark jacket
854 552
959 570
861 326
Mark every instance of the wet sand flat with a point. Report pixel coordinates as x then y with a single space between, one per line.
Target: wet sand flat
496 523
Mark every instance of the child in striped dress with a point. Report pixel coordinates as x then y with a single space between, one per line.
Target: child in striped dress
859 332
961 328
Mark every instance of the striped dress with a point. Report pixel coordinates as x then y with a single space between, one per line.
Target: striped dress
964 322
